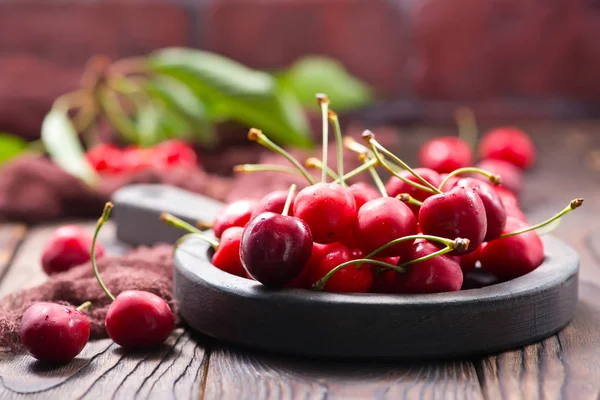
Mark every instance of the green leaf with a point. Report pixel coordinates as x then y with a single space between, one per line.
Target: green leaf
230 90
61 142
312 74
148 125
11 146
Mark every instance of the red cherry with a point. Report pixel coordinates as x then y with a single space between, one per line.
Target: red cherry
137 159
513 256
351 279
69 246
53 332
302 281
468 261
436 275
516 213
328 209
508 198
508 144
275 248
495 212
237 213
227 255
106 159
362 193
174 152
272 202
451 182
445 154
138 319
512 177
459 213
382 220
395 185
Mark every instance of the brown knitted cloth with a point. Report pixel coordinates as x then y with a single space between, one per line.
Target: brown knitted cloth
149 269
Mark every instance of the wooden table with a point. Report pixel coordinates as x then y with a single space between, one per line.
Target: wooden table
566 365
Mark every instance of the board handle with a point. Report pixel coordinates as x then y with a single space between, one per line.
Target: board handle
138 208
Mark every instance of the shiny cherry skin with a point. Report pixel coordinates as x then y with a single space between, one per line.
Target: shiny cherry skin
509 144
382 220
54 333
396 186
363 192
272 202
495 212
275 248
174 153
139 319
512 177
468 261
508 198
516 213
302 281
69 246
105 159
237 213
513 256
351 279
445 154
227 254
459 213
328 209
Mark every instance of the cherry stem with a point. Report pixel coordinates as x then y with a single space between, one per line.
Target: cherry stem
333 117
456 244
288 200
324 104
576 203
467 126
203 225
314 162
84 306
103 218
266 168
370 138
181 224
321 283
376 178
408 199
358 170
443 251
493 178
355 146
257 136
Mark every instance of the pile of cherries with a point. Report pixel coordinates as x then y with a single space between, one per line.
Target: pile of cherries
108 159
52 332
420 232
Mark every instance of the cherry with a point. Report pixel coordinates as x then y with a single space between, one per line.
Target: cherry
227 253
351 279
495 212
275 248
508 198
53 332
512 177
450 183
68 247
328 209
445 154
272 202
137 159
469 260
363 192
174 152
508 144
459 213
382 220
237 213
512 256
515 212
105 159
396 186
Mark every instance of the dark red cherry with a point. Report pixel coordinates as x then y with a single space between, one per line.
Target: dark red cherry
363 192
272 202
512 177
513 256
495 212
302 281
105 159
227 255
508 144
468 261
139 319
237 213
445 154
54 333
275 248
328 209
174 153
395 185
351 279
382 220
69 246
459 213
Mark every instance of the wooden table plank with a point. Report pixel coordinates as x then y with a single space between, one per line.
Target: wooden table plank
11 236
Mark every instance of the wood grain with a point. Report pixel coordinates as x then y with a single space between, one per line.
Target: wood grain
11 236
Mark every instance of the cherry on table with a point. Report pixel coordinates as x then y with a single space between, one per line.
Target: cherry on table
469 261
237 213
227 254
445 154
396 186
275 248
69 246
105 159
272 202
328 209
351 279
509 144
512 176
54 333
